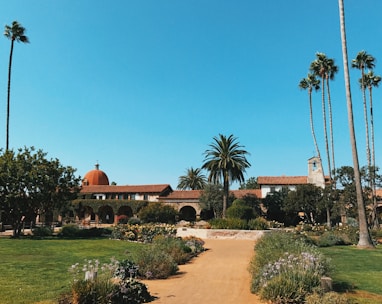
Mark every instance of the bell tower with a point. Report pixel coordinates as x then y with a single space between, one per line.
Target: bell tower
315 172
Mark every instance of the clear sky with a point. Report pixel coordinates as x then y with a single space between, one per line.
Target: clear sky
142 87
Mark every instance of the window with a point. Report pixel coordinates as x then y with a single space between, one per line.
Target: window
132 196
145 197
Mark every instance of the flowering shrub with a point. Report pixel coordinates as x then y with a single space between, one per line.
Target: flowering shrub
195 244
142 233
285 268
107 284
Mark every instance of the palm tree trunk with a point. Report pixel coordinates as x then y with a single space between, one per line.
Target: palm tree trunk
325 126
225 193
9 95
312 124
364 235
366 123
330 124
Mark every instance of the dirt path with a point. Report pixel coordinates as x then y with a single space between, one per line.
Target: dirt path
218 275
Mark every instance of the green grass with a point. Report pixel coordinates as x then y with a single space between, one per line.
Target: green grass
36 271
357 270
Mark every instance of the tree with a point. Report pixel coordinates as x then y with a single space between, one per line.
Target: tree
15 32
325 68
250 183
311 83
364 235
370 80
194 180
226 161
364 60
30 184
211 199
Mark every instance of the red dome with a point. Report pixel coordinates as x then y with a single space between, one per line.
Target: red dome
95 177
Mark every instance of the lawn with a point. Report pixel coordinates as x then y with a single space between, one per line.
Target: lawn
357 270
36 271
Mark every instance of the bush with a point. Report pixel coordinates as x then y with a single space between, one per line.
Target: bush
228 223
175 247
330 238
327 298
158 213
154 264
285 268
69 231
142 233
240 210
258 224
42 231
73 231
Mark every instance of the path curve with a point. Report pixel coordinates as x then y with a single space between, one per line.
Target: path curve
218 275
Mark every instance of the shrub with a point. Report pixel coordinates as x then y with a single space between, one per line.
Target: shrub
195 244
158 213
258 224
328 298
154 264
42 231
69 231
240 210
142 233
330 238
175 247
228 223
73 231
285 268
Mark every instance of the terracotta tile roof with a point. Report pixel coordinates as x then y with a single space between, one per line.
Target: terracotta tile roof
282 180
242 193
126 189
182 195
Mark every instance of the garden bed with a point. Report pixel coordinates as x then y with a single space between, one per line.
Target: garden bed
221 233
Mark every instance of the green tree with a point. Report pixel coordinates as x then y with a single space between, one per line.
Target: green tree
311 83
364 61
364 234
211 199
30 184
306 199
250 183
274 204
226 161
158 213
15 32
194 179
240 209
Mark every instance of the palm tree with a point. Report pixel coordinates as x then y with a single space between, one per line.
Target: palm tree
364 235
225 160
194 180
332 69
364 60
320 67
311 83
14 33
370 80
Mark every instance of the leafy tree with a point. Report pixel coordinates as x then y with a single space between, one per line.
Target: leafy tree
226 161
250 183
274 204
194 180
211 199
15 32
30 184
306 199
311 83
240 209
364 234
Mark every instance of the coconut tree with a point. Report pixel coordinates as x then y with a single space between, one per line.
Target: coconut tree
311 83
364 235
364 61
319 67
226 161
370 80
194 179
15 32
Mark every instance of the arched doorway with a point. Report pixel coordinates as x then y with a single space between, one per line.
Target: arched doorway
106 214
187 213
124 213
87 214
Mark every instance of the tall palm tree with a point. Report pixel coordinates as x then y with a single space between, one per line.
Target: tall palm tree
364 61
194 180
15 32
319 67
311 83
370 80
225 160
332 69
364 235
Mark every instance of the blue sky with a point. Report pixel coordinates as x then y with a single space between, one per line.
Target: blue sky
142 87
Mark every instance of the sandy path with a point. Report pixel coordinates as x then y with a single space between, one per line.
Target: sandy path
218 275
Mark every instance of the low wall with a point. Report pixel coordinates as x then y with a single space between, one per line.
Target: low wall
221 233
